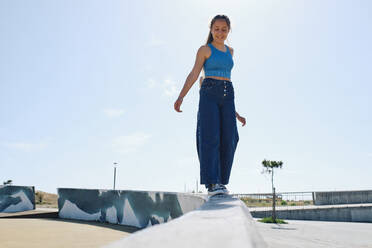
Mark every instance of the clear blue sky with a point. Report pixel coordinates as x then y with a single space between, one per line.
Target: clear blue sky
87 83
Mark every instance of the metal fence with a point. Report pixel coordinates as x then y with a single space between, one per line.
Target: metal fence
305 199
284 200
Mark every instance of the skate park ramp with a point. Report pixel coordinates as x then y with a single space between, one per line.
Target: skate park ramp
125 207
16 198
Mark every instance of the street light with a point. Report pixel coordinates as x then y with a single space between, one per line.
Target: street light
115 164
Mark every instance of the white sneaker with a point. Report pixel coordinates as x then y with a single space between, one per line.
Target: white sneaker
215 189
223 187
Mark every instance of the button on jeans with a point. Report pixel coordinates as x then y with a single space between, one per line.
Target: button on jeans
216 133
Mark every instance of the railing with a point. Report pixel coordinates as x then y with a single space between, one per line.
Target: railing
305 199
284 200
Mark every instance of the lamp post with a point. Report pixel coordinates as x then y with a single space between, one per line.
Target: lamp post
115 173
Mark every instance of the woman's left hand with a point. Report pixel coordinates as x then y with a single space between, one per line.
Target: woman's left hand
241 119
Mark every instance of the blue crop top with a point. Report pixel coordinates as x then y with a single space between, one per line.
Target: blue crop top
219 63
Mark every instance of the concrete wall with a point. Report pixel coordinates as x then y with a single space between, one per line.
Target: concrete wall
222 222
347 213
133 208
342 197
16 198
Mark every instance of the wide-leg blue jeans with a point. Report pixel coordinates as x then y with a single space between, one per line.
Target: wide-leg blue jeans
216 133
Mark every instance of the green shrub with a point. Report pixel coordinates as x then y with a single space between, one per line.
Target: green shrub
270 220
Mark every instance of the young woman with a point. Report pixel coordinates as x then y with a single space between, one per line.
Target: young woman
216 133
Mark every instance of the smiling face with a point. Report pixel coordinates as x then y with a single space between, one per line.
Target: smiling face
220 30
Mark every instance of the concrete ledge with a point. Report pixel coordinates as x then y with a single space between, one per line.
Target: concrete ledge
344 213
342 197
126 207
220 222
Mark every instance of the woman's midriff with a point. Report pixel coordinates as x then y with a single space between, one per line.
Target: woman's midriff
220 78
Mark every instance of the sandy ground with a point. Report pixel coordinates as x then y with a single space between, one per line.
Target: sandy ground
25 231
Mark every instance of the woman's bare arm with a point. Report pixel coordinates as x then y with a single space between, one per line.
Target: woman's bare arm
240 118
194 74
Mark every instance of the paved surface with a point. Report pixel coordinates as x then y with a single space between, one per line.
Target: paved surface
38 228
316 234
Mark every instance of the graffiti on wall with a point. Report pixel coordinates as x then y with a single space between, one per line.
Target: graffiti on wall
16 198
133 208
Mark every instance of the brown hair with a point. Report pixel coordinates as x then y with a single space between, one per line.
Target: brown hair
217 17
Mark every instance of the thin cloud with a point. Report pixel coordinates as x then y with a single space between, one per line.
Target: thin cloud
25 146
154 42
130 143
168 86
113 113
151 83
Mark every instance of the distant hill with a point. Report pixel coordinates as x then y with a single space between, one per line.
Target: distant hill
45 200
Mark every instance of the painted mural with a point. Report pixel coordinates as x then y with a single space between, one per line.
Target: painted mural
132 208
16 198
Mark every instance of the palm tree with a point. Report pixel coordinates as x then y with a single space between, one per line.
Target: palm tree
269 167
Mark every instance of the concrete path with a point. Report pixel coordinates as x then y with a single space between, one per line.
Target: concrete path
316 234
36 228
221 222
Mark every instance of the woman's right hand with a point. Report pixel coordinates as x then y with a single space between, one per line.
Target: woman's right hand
241 119
199 62
177 104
